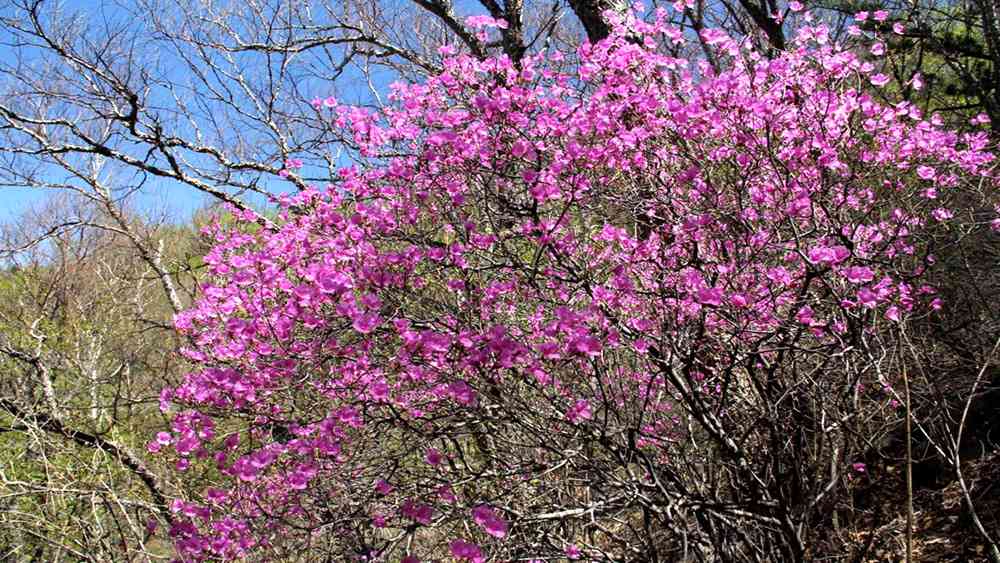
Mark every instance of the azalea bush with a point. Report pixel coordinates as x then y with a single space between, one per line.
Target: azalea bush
624 307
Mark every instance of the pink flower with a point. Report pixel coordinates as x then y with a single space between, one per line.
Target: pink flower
383 487
465 550
587 345
713 36
216 496
880 15
942 214
805 315
579 412
858 467
710 296
572 551
418 512
446 494
892 313
980 119
433 457
859 274
485 22
867 298
795 6
861 16
488 519
898 28
926 172
879 80
828 254
332 281
462 393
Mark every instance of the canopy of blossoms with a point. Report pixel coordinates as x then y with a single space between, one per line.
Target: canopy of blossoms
503 335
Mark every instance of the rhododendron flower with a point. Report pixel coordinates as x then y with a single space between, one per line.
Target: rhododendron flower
867 298
572 551
879 79
433 457
383 487
490 522
828 254
710 296
579 412
805 315
880 15
942 214
859 274
216 496
892 313
714 36
462 393
587 345
980 119
468 551
477 22
446 494
418 512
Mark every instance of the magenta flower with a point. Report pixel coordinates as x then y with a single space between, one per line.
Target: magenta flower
579 412
926 172
433 457
879 80
859 274
418 512
467 551
487 518
710 296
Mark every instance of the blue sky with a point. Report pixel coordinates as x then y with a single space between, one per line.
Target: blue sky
157 194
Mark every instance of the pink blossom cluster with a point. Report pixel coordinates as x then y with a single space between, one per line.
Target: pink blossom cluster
554 238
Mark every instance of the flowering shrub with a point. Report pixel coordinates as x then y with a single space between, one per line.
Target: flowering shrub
604 311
